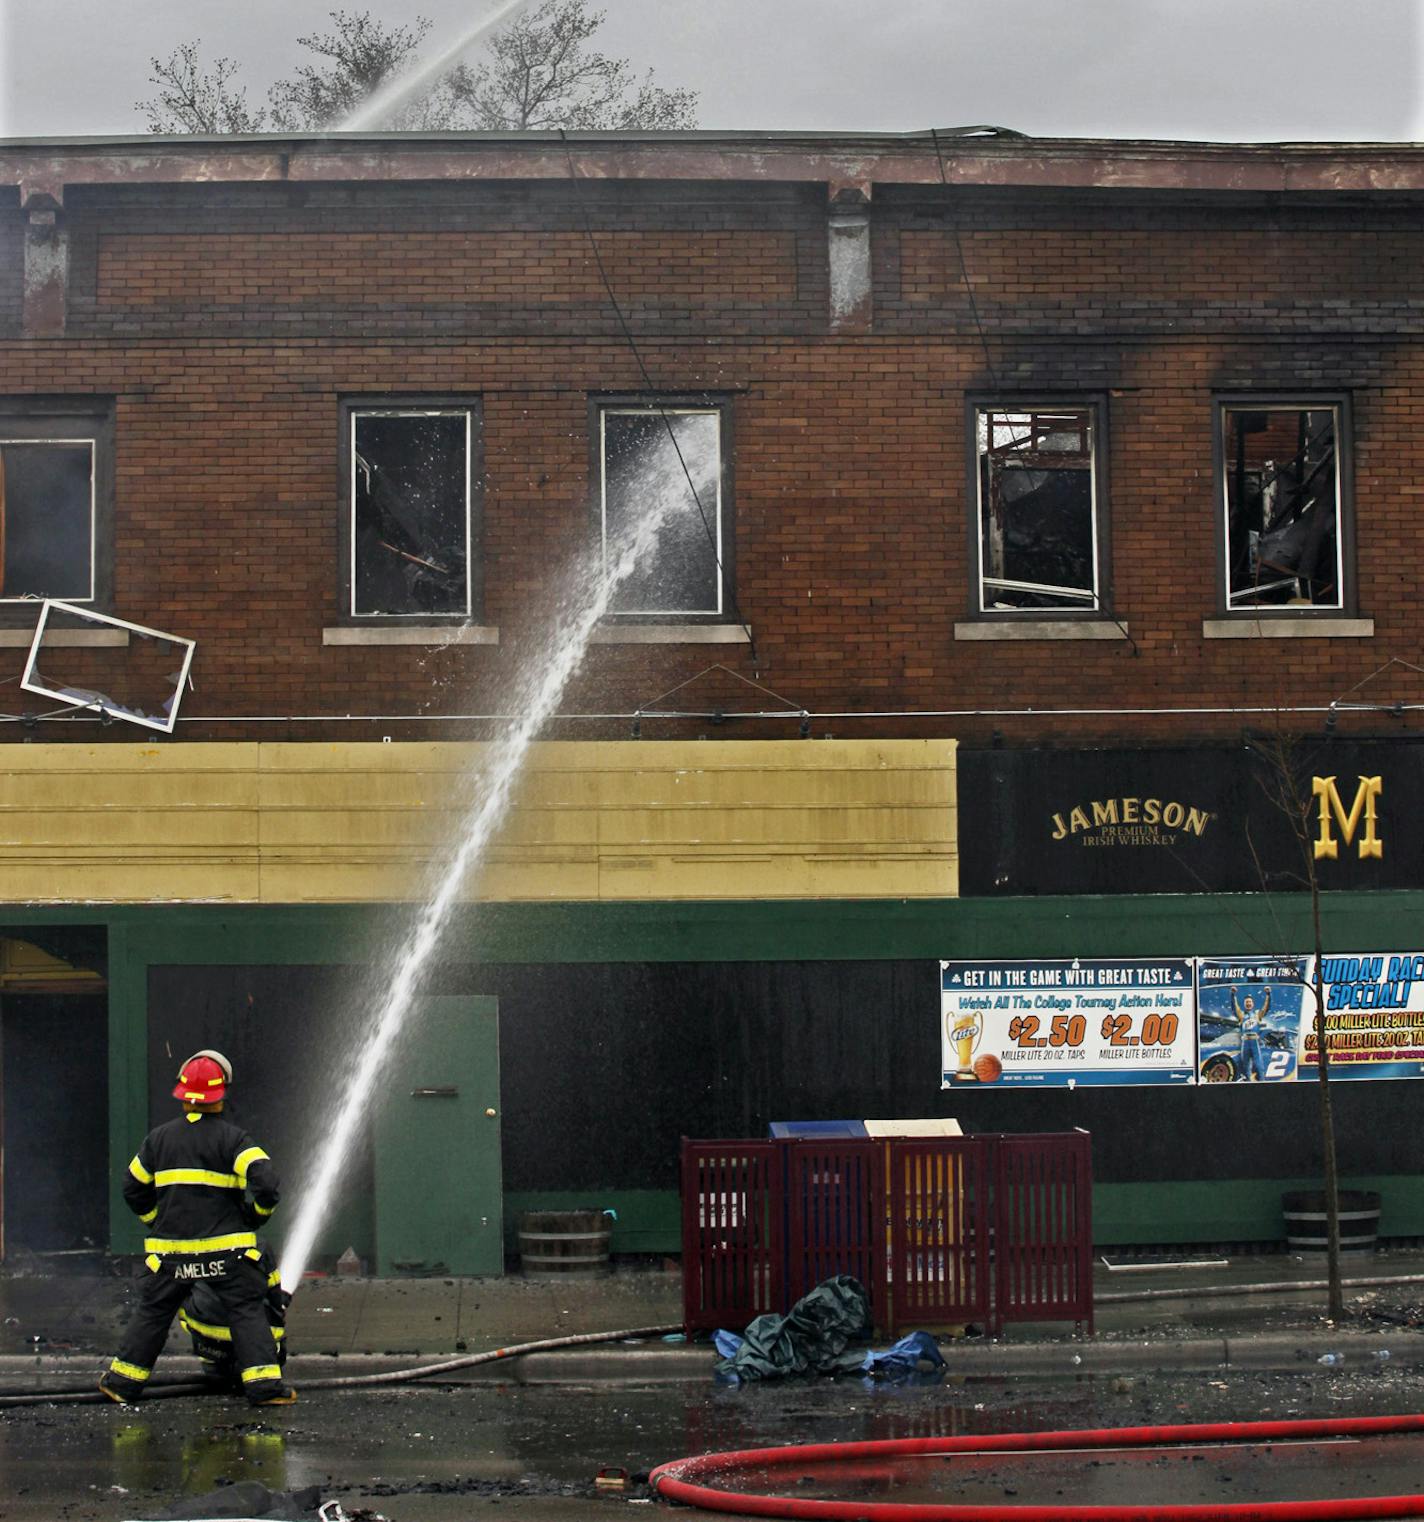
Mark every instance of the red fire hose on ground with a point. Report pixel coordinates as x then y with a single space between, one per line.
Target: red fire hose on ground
689 1480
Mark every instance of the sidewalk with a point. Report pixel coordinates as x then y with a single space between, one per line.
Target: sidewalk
60 1329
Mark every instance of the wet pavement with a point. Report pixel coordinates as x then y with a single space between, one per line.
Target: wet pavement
530 1436
417 1455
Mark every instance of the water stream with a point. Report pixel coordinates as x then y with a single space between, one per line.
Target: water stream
661 488
385 102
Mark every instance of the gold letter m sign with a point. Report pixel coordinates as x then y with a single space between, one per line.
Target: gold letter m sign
1325 790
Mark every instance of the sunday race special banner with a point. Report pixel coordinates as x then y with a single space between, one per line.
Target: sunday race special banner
1067 1023
1374 1016
1256 1017
1179 1020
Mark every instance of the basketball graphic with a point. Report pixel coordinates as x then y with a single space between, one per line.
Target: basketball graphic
988 1068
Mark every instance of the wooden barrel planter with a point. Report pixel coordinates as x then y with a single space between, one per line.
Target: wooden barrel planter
1306 1229
563 1242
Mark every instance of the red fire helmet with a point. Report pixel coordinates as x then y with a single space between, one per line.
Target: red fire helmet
203 1078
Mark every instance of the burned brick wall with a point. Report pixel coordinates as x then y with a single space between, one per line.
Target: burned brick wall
12 264
444 262
230 326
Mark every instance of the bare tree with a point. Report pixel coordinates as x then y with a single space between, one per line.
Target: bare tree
193 99
541 73
1287 767
362 54
538 72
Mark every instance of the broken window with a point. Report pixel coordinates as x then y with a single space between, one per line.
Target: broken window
1281 481
411 486
661 474
47 516
140 676
1038 508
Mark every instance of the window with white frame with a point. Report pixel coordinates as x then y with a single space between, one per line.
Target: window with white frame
662 504
49 508
1037 482
1282 499
411 512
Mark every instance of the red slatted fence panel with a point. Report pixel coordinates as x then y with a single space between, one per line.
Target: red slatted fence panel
733 1223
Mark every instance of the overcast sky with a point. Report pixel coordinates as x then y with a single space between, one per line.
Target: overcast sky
1247 70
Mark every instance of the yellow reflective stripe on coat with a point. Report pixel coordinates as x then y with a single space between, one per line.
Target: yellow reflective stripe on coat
260 1371
140 1172
149 1216
274 1278
154 1262
129 1371
228 1243
165 1178
245 1160
262 1210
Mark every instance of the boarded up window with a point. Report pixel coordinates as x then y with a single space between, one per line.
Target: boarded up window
665 462
46 519
1282 516
410 513
1038 509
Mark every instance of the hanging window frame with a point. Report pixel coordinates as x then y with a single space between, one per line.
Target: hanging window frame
66 422
1095 605
670 403
414 405
1338 403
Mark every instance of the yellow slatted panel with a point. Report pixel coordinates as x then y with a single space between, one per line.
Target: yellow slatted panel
330 823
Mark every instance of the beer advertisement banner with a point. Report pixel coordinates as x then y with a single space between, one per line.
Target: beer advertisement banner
1252 1016
1189 820
1062 1024
1256 1017
1374 1016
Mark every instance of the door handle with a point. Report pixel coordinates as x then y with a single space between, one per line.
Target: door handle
448 1091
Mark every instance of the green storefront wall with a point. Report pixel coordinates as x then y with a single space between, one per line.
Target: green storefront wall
140 937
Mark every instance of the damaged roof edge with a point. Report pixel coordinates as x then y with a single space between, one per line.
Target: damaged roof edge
970 156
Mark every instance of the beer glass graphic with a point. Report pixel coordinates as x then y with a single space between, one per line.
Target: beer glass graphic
964 1033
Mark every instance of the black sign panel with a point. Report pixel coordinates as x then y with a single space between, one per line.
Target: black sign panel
1237 819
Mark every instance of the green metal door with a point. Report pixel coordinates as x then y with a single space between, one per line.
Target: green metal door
439 1188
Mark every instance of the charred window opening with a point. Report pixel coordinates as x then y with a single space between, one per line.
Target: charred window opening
410 513
1282 488
662 467
47 503
1038 508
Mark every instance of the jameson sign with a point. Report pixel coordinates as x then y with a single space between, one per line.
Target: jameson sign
1182 820
1216 1020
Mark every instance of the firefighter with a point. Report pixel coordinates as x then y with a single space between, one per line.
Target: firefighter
189 1184
205 1321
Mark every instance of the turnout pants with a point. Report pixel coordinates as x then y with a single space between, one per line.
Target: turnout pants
240 1284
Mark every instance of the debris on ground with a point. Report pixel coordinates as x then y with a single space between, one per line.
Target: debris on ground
250 1499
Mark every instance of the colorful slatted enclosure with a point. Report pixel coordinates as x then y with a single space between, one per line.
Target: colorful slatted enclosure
990 1229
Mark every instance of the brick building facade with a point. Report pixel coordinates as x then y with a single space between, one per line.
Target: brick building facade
1181 362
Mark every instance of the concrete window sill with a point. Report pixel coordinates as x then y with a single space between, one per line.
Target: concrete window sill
93 639
410 634
1288 628
670 634
1041 629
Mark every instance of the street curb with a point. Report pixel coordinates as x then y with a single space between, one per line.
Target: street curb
1355 1351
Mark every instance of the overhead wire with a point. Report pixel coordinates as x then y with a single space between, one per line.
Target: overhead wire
605 716
627 331
989 365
